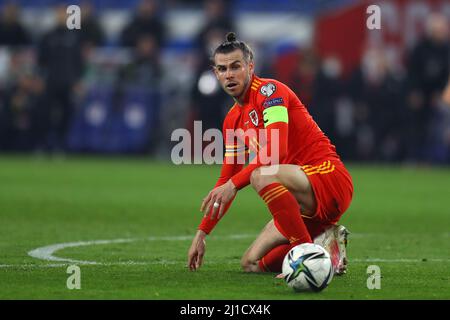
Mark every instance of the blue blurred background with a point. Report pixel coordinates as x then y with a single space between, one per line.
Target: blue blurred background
137 70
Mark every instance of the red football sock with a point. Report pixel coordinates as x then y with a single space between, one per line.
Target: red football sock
273 260
286 213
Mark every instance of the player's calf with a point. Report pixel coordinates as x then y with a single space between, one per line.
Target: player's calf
265 244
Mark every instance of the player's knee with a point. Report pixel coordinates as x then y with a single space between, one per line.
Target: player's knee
259 178
255 177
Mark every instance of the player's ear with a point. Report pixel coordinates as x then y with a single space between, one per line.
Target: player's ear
251 66
213 65
215 71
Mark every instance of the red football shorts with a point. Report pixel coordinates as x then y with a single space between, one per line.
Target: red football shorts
333 189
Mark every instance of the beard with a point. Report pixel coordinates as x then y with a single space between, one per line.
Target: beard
244 87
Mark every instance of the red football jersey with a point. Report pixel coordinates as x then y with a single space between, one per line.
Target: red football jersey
270 104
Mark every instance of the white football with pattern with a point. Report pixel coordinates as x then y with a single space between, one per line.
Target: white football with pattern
307 267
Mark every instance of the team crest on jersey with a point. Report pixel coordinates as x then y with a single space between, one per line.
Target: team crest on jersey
268 89
254 117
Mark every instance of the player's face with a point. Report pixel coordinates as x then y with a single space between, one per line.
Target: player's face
233 72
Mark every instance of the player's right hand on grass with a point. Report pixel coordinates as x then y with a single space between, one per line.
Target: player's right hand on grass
197 251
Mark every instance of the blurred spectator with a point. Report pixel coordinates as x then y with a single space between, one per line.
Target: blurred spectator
440 132
145 68
302 81
12 33
3 121
216 16
20 101
446 94
4 64
91 31
61 64
209 103
378 99
428 67
146 21
327 92
317 85
145 72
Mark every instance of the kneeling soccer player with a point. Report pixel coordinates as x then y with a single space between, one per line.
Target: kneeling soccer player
307 189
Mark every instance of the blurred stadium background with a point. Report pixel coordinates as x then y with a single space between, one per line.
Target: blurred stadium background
139 69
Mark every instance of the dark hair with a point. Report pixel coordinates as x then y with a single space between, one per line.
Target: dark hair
230 44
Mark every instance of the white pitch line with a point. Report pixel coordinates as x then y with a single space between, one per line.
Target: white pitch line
29 265
47 253
424 260
169 262
118 263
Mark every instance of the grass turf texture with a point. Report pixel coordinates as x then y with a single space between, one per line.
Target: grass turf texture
400 215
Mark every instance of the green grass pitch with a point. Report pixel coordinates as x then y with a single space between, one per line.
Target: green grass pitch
399 219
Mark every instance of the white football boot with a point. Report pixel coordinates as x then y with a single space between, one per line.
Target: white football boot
334 240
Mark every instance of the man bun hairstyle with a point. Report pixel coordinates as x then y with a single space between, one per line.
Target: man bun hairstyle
230 44
231 37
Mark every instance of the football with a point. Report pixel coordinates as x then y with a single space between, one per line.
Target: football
307 267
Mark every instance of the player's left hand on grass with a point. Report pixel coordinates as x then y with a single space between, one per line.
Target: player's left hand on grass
197 251
217 199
